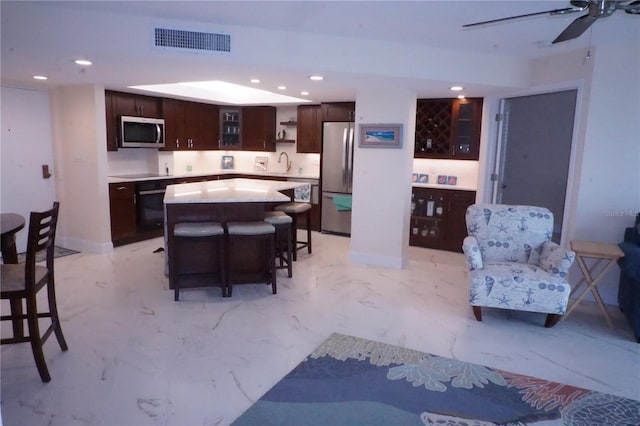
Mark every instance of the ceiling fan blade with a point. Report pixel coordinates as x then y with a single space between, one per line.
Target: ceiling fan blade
576 28
632 8
526 15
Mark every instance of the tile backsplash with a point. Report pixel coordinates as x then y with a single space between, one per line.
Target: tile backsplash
130 161
243 161
465 172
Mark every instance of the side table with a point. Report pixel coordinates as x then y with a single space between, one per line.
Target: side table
602 252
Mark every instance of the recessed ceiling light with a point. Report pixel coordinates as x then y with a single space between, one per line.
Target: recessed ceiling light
304 93
83 62
316 77
39 77
255 80
456 88
282 87
460 96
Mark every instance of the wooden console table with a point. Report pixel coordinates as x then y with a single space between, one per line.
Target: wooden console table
602 252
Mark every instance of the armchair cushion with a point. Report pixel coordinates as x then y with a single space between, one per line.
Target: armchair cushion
556 260
471 250
519 286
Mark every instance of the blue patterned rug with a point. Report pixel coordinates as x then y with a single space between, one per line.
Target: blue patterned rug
353 381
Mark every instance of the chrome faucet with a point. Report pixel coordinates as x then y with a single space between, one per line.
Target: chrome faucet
288 162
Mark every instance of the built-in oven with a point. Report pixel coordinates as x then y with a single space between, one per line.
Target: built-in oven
150 204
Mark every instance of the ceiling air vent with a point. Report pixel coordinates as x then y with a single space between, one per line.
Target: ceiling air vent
192 40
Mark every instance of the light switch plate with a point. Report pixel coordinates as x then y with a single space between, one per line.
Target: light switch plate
261 163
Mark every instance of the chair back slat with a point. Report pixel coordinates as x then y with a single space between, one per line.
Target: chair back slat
42 231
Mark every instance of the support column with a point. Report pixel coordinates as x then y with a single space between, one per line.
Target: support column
382 180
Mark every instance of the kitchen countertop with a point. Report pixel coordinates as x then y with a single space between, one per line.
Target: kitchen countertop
436 186
229 191
137 177
291 176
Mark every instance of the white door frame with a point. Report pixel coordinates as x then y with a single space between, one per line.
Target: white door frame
493 152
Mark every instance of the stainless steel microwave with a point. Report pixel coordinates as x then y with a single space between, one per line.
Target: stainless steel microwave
141 132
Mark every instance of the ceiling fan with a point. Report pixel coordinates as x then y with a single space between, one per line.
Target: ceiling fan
596 9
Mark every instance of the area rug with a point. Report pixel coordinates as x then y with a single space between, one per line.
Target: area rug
40 256
352 381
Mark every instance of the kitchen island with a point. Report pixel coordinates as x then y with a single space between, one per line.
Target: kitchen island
218 201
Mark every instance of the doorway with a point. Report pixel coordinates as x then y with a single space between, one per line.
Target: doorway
534 151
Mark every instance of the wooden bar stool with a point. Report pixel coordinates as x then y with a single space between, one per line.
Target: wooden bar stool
192 240
245 254
294 210
24 281
282 222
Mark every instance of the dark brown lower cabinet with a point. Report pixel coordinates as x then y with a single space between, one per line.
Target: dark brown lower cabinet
438 218
122 208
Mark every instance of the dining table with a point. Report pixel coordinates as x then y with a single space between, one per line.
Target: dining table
10 224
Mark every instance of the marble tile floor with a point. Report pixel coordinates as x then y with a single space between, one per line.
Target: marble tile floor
136 357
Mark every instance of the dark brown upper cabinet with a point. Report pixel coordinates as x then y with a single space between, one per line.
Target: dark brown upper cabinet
130 104
448 128
190 125
258 128
309 130
339 111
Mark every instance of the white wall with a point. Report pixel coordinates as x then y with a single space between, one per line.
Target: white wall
606 179
79 143
381 180
134 160
25 145
609 194
610 191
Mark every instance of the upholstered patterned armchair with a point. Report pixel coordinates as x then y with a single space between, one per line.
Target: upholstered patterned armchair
513 264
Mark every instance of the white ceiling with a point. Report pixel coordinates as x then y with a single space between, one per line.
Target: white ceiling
36 39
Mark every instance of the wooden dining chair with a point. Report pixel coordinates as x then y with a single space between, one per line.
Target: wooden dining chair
24 281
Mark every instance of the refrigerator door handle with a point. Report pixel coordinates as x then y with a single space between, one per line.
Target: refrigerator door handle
345 157
350 160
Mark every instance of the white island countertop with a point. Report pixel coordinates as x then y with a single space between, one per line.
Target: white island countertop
146 176
229 191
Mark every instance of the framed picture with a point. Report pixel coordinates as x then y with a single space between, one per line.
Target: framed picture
227 162
380 136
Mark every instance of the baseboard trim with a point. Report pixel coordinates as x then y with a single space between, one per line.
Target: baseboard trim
377 260
84 245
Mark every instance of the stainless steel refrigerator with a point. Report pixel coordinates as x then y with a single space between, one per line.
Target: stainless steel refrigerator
337 177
